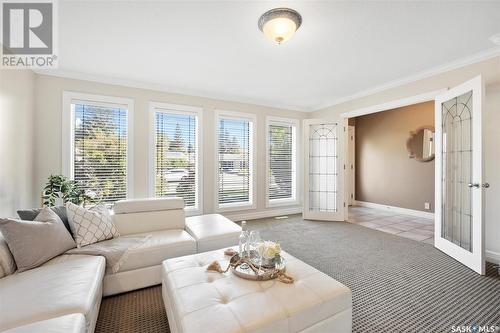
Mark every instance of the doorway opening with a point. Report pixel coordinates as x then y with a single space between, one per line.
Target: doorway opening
390 171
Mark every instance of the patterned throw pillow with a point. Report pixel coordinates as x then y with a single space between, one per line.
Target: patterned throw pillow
92 225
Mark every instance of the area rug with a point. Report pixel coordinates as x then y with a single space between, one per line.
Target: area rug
398 285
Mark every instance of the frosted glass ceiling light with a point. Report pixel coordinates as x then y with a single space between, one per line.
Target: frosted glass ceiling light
280 24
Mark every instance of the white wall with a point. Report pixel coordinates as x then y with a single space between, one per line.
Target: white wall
491 153
16 140
490 71
49 90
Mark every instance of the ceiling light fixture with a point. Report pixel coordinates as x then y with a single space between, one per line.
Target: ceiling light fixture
280 24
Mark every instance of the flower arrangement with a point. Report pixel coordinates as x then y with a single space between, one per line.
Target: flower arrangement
269 250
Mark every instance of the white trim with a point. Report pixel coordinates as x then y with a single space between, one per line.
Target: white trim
394 104
168 89
294 123
182 110
351 166
68 98
394 209
262 214
478 57
492 256
252 156
470 60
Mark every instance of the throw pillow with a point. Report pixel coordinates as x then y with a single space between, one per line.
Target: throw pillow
7 263
33 243
90 225
30 214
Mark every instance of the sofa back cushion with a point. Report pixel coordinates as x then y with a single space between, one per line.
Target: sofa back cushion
144 215
7 263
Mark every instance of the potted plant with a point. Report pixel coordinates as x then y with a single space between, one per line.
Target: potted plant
59 187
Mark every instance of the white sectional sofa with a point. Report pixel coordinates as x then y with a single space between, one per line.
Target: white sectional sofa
64 294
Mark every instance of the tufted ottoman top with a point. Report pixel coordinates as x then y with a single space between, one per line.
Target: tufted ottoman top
201 301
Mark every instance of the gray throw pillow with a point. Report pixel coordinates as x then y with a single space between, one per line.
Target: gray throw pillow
30 214
33 243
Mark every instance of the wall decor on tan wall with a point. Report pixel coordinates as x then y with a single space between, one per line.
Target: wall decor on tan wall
420 144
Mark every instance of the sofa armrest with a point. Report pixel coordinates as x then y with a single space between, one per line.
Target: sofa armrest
144 215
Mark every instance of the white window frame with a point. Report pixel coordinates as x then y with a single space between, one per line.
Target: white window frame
68 117
252 156
181 110
295 124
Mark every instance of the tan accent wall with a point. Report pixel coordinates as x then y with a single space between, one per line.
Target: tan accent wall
384 172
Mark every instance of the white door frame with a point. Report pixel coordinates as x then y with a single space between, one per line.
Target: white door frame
475 259
398 103
340 215
351 165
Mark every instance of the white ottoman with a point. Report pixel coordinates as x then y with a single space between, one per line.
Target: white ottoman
198 301
213 231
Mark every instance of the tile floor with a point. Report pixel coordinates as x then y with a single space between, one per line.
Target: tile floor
413 227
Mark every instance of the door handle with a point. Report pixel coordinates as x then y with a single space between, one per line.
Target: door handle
477 185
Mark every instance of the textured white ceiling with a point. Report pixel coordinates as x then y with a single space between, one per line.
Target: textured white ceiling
215 49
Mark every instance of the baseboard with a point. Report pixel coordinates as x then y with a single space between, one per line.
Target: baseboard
492 256
240 216
394 209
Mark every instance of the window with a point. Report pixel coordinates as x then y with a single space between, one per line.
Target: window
97 149
235 174
281 161
176 153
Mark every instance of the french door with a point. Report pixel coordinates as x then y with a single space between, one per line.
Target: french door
459 225
324 169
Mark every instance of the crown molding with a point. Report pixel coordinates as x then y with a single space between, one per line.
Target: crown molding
469 60
462 62
167 89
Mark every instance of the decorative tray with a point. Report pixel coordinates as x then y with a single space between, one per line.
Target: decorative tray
244 271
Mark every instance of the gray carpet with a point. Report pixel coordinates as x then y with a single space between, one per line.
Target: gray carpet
398 285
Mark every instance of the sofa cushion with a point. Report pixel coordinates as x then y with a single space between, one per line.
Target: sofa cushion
30 214
213 231
7 263
90 225
160 246
147 205
64 285
72 323
34 242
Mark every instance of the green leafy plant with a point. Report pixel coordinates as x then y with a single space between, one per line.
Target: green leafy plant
60 187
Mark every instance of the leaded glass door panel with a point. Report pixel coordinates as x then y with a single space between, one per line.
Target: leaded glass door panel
458 221
324 170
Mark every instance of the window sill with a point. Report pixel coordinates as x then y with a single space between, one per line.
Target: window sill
282 202
234 207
